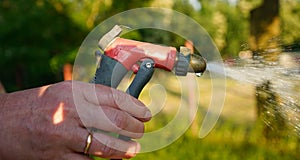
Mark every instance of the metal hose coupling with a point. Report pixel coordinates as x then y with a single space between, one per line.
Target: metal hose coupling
187 62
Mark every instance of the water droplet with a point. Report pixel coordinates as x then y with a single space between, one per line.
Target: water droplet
199 74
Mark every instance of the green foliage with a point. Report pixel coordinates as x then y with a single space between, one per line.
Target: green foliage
290 13
227 141
38 36
32 32
237 30
225 23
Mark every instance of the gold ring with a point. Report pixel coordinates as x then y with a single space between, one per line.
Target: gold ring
88 143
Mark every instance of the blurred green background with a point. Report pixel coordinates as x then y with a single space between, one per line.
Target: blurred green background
38 37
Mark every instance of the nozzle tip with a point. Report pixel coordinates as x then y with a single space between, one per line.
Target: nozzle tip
197 64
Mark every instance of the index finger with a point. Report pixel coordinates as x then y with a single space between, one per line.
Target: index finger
106 96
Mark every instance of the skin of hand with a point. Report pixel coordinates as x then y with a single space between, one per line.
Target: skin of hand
51 122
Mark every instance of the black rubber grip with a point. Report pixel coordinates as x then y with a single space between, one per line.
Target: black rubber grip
110 72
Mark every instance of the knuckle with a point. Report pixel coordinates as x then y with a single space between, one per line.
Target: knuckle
139 132
62 87
108 149
123 123
118 98
120 121
66 85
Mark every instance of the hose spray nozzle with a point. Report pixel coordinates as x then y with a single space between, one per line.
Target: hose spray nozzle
187 62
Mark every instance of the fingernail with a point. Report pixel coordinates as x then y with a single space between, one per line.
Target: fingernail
148 114
134 149
138 148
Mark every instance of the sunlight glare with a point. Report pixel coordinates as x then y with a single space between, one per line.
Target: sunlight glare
58 116
42 90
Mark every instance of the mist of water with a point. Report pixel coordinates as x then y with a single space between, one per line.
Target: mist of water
284 82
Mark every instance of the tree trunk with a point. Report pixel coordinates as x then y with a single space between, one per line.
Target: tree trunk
264 34
265 30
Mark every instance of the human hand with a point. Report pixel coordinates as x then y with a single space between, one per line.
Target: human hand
45 123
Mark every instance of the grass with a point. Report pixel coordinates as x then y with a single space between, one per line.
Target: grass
228 141
237 134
